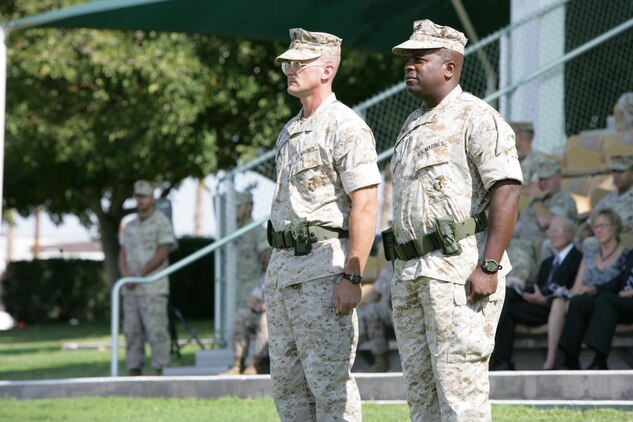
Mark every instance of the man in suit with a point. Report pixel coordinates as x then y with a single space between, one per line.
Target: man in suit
532 308
592 318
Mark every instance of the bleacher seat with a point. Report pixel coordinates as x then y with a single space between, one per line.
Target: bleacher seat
577 157
599 186
622 138
580 185
593 142
613 147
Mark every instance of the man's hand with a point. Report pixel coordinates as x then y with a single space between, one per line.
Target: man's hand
480 285
346 297
626 293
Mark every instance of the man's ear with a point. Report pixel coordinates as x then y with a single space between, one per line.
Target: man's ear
328 71
449 69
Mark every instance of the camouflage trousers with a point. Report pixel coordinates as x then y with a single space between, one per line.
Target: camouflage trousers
445 344
374 319
145 319
250 327
312 350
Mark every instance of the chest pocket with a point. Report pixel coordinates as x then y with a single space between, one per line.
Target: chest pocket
307 161
308 174
433 171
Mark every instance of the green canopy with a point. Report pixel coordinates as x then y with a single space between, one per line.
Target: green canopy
366 24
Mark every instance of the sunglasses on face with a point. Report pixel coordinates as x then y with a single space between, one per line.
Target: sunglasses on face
294 66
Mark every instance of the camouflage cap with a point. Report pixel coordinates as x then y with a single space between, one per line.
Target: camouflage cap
143 188
547 169
306 45
242 198
522 126
426 34
621 162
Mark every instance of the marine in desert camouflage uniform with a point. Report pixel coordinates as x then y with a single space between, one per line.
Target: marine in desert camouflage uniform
249 325
528 157
145 246
454 158
620 200
548 201
322 228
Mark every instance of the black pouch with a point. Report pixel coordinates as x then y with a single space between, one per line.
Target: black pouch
389 244
301 234
445 230
270 233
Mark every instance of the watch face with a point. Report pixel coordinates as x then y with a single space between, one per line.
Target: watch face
490 265
354 278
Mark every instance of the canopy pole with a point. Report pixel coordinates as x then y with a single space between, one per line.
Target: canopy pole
3 91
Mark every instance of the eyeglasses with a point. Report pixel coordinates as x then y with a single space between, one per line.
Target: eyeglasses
601 226
295 66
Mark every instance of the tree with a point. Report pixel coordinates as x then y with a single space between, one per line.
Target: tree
91 111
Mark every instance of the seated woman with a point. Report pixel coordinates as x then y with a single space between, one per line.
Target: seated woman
595 318
598 266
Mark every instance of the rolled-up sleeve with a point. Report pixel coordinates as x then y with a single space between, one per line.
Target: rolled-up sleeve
500 168
362 176
491 146
355 156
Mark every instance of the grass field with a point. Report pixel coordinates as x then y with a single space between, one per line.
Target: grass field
36 353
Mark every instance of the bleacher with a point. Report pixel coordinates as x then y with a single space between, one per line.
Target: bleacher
586 176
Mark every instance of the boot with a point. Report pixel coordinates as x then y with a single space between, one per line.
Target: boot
381 363
235 369
251 369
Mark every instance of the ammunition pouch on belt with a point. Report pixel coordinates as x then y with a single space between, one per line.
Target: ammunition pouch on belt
301 236
446 237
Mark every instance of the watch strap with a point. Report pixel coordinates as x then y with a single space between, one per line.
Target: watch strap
355 278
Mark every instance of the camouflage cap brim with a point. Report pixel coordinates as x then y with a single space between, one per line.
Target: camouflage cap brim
300 55
404 48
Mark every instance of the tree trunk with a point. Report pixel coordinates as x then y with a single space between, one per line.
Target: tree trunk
109 230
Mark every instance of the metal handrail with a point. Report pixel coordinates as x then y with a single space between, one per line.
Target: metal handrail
116 289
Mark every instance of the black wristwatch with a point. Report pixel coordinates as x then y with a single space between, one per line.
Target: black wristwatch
355 278
490 266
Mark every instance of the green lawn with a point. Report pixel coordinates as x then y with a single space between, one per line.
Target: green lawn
36 353
246 410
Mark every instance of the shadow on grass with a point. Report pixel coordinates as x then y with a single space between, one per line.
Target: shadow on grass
97 369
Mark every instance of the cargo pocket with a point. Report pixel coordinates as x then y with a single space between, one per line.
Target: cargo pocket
474 326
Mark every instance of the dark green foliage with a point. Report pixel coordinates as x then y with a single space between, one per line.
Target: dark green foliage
56 290
192 287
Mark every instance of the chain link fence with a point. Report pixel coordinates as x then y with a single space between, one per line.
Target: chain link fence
562 67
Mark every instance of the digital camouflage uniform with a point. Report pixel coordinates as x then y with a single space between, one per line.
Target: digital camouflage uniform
145 306
621 204
528 235
320 160
529 164
249 324
375 317
445 162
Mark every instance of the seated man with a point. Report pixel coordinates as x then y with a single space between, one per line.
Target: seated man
249 328
374 320
548 201
532 308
